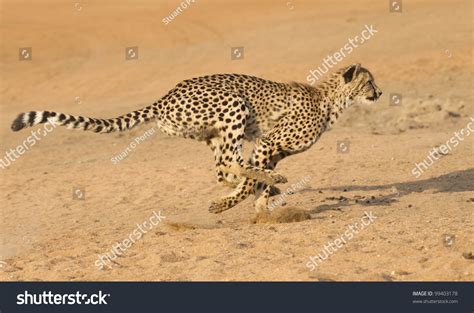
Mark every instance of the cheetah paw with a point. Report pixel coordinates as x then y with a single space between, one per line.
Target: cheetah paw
277 178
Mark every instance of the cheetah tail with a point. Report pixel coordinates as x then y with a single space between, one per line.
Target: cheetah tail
121 123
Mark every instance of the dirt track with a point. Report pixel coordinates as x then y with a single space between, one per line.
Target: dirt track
78 66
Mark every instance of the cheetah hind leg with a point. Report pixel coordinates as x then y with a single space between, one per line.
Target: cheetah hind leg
267 176
225 179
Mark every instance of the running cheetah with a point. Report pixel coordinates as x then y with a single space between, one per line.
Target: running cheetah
225 109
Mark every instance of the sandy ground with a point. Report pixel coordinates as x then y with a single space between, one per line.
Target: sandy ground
422 228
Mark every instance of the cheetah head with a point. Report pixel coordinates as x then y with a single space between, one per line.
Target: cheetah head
358 85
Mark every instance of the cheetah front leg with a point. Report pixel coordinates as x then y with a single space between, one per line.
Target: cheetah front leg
263 191
281 139
246 187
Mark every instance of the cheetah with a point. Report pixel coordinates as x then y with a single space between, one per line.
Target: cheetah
223 110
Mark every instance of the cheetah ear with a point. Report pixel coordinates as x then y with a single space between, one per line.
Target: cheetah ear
351 72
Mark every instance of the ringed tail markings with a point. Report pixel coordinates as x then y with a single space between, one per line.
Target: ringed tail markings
121 123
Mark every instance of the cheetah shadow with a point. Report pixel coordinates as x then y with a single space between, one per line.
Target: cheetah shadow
457 181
